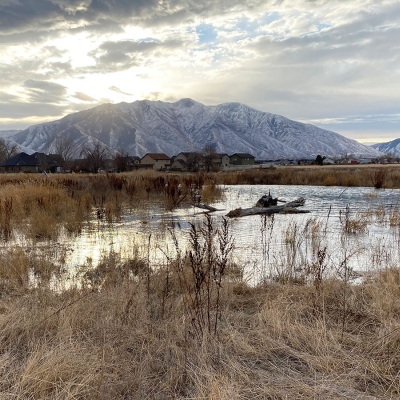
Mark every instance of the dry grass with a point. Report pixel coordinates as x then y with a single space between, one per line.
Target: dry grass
124 330
41 207
127 331
378 176
271 343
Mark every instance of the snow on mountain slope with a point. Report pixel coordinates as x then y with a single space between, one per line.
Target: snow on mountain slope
8 136
186 125
392 147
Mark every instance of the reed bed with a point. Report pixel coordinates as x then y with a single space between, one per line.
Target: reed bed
41 207
378 176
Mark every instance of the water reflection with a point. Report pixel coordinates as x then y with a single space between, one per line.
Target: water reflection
264 245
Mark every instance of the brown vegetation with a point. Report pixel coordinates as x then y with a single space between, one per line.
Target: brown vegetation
40 206
193 327
378 176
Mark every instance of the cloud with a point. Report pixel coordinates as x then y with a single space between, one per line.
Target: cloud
309 60
84 97
50 87
122 55
20 110
45 92
44 15
118 90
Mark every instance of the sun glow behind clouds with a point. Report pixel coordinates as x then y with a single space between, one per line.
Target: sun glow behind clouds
317 61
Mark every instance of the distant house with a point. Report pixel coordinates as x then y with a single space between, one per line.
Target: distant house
80 165
179 165
192 161
284 161
48 162
158 161
135 160
36 162
328 161
223 159
241 159
22 162
183 156
133 163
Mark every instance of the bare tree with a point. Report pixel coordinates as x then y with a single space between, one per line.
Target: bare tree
194 161
211 158
7 150
64 147
43 161
122 160
95 155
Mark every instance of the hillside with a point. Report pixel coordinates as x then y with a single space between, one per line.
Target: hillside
186 125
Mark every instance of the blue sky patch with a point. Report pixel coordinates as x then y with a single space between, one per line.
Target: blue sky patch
206 32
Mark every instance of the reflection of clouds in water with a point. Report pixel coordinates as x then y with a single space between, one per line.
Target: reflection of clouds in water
314 230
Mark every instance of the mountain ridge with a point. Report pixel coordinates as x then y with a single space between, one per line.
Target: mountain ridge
146 126
392 147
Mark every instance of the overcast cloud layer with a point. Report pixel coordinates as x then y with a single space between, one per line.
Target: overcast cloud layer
331 63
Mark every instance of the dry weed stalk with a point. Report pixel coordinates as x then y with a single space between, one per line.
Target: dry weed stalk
202 273
6 211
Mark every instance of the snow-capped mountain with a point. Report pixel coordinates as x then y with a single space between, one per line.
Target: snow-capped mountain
8 134
392 147
186 125
8 137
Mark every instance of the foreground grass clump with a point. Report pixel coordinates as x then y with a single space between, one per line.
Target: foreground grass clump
194 328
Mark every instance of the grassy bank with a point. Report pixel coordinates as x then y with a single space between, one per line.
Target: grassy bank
379 176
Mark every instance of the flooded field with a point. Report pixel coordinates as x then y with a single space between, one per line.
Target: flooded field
348 230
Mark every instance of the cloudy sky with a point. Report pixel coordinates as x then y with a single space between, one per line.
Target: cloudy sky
332 63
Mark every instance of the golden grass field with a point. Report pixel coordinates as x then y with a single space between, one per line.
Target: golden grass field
194 328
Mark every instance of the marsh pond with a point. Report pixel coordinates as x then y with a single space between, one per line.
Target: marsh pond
352 231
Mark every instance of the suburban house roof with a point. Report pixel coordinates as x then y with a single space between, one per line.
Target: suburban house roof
33 160
243 155
179 161
157 156
186 153
22 159
53 160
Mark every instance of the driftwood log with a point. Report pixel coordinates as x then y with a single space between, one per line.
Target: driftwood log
204 206
287 208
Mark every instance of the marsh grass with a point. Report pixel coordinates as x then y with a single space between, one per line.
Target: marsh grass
193 327
346 176
108 339
354 224
41 207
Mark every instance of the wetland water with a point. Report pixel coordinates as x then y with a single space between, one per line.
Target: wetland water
265 246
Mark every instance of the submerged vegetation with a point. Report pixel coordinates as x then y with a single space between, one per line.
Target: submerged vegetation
196 325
